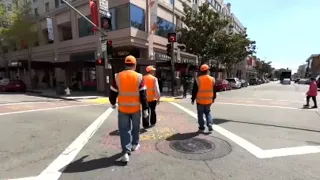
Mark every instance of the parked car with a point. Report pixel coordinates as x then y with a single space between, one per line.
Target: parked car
297 80
302 81
235 83
222 85
7 85
254 81
286 81
244 83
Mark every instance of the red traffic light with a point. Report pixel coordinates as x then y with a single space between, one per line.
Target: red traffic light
99 61
109 43
172 37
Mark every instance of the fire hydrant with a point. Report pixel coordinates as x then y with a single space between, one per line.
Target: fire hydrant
67 90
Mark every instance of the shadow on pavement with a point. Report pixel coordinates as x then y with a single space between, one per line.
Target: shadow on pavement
221 121
116 132
184 136
83 166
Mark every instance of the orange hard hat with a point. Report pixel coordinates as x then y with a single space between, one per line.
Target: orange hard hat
130 60
204 67
150 68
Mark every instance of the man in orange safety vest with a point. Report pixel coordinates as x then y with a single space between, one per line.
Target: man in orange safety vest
153 96
130 90
204 93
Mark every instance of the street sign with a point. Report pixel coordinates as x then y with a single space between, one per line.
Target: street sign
104 8
103 47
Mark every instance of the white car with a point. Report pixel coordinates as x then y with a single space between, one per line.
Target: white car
235 82
286 81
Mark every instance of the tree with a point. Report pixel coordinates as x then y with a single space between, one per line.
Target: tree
23 30
233 48
200 31
263 67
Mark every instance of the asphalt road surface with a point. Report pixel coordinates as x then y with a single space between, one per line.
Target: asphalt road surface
261 132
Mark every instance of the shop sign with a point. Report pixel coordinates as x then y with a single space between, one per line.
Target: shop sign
162 57
122 53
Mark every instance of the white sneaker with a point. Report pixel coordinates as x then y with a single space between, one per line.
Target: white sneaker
135 147
125 158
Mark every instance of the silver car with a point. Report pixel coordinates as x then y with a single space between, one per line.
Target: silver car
286 81
235 83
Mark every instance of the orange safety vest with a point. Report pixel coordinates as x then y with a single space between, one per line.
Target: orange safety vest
205 89
128 82
150 82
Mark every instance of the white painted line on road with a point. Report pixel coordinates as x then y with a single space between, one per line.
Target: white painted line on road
53 171
267 106
253 149
263 99
20 103
26 178
46 109
291 151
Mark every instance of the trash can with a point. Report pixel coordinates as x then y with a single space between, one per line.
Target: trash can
60 88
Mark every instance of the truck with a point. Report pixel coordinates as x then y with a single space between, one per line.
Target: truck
285 75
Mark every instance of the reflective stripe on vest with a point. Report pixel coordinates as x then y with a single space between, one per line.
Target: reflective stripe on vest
150 82
205 89
128 83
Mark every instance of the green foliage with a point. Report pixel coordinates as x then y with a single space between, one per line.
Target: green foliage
201 30
263 67
22 27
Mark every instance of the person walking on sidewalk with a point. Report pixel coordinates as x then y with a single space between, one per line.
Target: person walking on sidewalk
130 90
312 93
204 93
153 96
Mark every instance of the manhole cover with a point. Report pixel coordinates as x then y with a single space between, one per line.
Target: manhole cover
192 146
201 147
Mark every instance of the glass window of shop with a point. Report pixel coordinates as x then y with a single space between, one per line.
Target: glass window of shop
164 27
137 17
84 27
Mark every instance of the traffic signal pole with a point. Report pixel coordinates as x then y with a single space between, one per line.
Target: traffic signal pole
172 53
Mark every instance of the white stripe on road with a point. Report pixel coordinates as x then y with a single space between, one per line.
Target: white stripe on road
301 150
55 169
267 106
20 103
264 99
253 149
46 109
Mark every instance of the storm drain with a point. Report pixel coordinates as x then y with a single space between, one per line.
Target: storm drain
197 148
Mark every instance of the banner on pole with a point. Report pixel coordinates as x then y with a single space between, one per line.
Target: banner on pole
153 9
50 29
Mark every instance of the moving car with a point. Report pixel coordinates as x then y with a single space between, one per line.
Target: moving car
235 82
286 81
7 85
222 85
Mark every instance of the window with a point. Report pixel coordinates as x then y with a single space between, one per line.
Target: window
46 6
56 3
137 17
122 17
164 27
85 28
36 12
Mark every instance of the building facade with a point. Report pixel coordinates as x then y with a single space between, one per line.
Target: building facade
301 72
313 66
70 57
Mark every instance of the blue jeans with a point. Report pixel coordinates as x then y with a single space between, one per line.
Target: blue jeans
204 109
129 129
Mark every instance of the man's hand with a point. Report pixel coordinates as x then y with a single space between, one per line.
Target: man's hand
158 101
113 106
192 102
145 113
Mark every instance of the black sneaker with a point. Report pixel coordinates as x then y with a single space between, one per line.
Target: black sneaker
314 107
201 130
210 128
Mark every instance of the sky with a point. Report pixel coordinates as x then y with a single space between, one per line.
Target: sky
287 32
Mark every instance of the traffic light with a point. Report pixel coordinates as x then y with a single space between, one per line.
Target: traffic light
172 37
109 47
100 62
169 49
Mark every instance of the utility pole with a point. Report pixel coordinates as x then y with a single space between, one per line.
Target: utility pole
172 52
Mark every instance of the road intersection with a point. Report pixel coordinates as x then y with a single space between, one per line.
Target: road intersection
260 132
